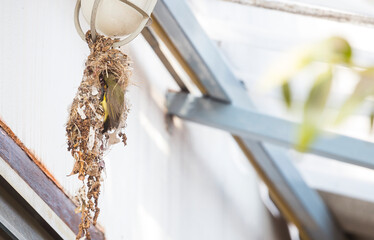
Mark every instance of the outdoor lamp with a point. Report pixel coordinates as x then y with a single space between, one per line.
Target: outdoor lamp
115 18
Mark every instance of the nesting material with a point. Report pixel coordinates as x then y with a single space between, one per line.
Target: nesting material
86 138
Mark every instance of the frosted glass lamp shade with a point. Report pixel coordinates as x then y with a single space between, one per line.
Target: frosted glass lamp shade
116 18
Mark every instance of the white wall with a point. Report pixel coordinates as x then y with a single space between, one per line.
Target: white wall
190 183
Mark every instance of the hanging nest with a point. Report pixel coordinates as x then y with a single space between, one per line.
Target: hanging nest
87 141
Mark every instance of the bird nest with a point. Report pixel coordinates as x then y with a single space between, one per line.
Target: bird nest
86 139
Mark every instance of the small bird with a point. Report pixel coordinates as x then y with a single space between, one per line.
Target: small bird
113 102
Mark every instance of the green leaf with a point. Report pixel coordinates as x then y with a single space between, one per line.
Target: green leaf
287 94
313 109
363 89
286 67
334 50
318 95
307 134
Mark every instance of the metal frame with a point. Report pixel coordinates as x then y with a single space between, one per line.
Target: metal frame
18 220
254 125
299 203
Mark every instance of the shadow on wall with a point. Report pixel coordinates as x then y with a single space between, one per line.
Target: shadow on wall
183 185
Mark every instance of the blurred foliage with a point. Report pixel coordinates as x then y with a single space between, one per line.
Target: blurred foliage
313 109
363 89
331 52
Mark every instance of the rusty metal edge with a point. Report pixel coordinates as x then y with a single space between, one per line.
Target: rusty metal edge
12 151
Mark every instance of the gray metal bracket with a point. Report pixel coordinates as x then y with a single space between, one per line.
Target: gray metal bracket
297 201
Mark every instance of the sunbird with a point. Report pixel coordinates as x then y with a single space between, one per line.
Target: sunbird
113 102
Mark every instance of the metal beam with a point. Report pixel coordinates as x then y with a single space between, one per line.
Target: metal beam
255 126
17 222
308 213
152 40
295 199
180 38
